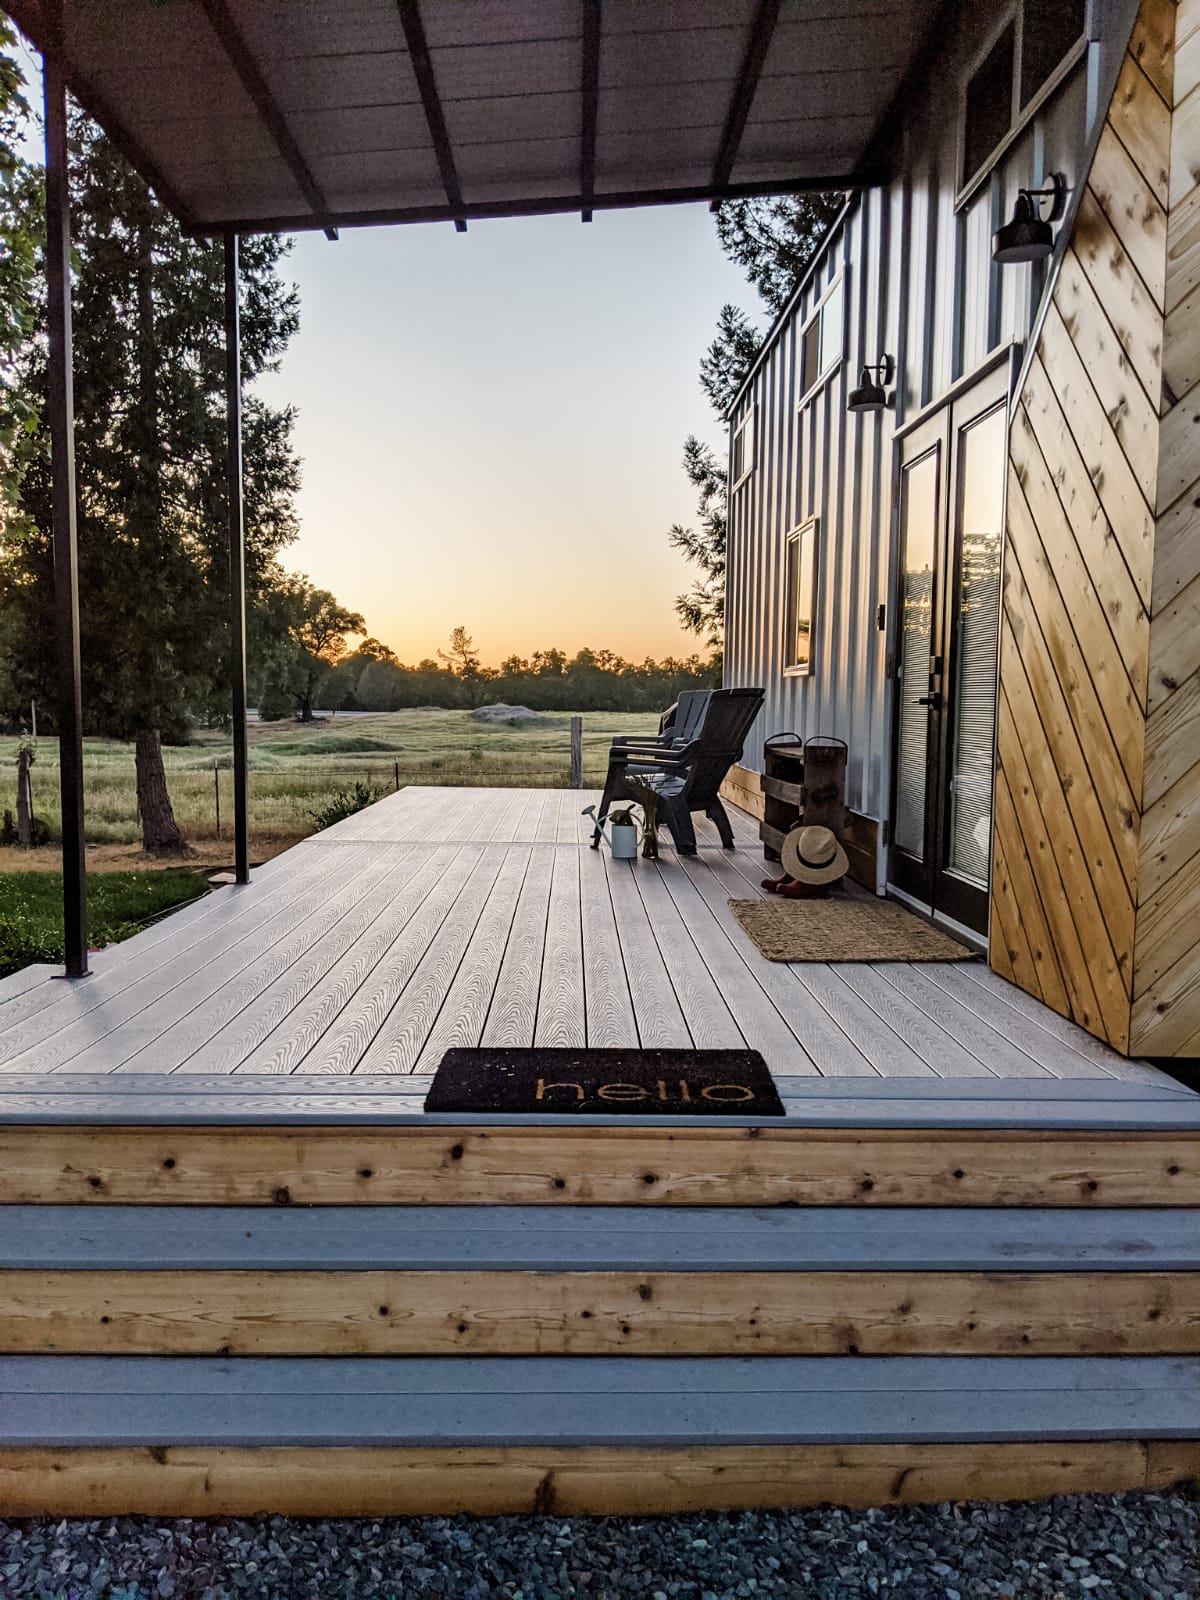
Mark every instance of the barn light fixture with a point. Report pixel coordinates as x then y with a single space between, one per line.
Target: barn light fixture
1029 236
871 394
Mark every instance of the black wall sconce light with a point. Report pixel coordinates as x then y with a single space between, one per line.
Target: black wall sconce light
1029 236
871 394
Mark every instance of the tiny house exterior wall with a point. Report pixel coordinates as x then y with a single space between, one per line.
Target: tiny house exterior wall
1013 544
917 281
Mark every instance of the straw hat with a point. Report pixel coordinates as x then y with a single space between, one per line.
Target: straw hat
813 855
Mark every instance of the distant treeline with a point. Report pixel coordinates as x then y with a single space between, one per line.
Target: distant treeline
591 680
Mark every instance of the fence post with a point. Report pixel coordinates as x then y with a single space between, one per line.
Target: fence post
24 796
396 774
577 752
217 794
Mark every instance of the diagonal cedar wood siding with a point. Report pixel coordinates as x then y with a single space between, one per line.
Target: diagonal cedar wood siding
1096 882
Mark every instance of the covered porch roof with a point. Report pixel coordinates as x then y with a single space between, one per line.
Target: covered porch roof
250 115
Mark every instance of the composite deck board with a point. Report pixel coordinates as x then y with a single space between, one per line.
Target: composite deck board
114 1401
762 1027
397 1043
344 1045
561 1019
231 989
658 1016
836 1239
300 1024
820 1037
461 1018
608 1005
513 1005
705 1007
480 915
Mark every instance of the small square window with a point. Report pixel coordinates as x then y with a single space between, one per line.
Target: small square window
741 452
800 588
1050 30
989 108
822 340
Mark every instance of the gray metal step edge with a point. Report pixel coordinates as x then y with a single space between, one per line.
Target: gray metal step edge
597 1238
648 1401
263 1100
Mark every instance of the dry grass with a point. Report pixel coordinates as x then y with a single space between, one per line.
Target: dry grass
295 769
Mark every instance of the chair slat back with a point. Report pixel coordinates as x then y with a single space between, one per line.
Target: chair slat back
728 718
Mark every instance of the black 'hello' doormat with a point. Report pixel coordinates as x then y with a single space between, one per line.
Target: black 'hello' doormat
641 1083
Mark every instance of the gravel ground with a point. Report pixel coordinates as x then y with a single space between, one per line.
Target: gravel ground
1109 1548
1135 1547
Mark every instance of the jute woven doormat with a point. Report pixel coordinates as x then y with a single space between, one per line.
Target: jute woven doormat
843 930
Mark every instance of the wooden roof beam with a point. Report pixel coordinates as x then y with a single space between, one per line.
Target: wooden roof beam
590 94
242 60
422 64
762 30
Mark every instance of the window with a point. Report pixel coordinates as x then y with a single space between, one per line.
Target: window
822 340
800 590
1051 30
989 106
741 453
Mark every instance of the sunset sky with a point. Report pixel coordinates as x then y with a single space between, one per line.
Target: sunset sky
491 425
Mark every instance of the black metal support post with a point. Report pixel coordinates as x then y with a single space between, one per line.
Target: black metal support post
237 561
62 457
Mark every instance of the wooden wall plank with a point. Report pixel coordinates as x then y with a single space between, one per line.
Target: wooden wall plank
292 1481
1172 739
599 1165
1135 212
1129 515
1127 302
1152 45
1141 119
1094 788
1043 847
1040 420
1022 908
1183 247
1170 833
1181 367
1175 644
1127 405
1048 553
1179 455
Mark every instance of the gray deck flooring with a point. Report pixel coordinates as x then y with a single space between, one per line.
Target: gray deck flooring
451 917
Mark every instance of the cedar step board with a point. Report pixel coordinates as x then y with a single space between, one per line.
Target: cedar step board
649 1313
612 1401
472 1164
217 1481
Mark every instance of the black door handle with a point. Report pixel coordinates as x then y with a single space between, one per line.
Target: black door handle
934 700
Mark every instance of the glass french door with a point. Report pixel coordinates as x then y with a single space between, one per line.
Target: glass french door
951 512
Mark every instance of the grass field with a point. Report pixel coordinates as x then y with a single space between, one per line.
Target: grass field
295 769
119 904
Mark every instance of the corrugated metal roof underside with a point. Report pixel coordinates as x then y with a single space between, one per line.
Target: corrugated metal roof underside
171 78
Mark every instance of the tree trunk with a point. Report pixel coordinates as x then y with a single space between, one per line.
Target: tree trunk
160 832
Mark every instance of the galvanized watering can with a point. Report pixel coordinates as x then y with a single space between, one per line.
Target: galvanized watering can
622 837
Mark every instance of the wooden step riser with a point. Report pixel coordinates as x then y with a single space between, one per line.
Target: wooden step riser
207 1482
598 1313
638 1165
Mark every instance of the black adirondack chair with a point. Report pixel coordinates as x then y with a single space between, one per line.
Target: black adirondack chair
687 779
